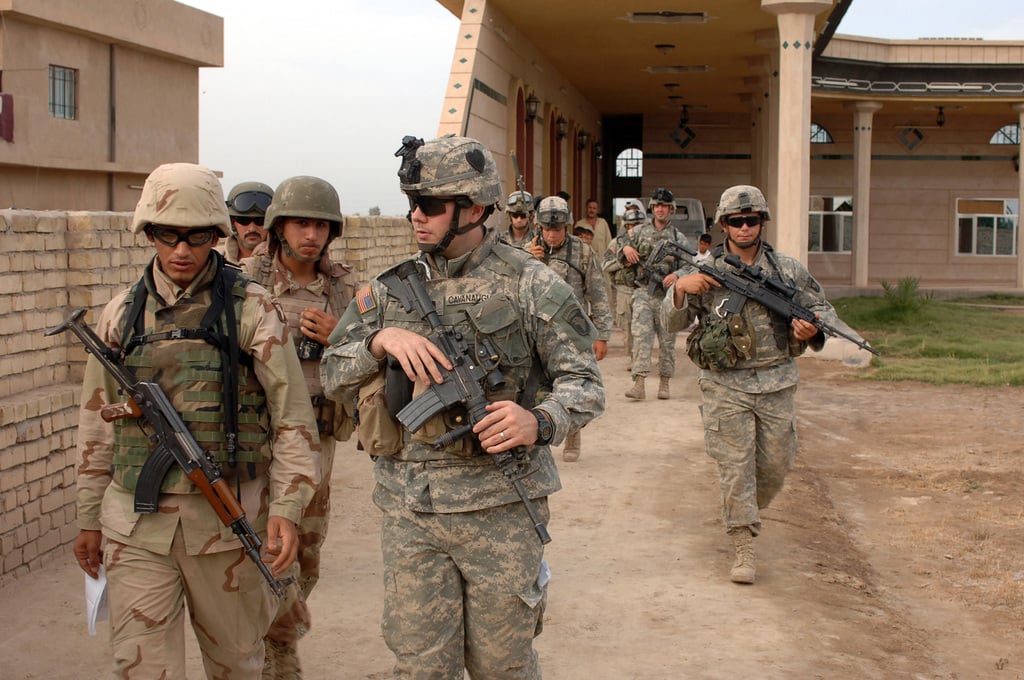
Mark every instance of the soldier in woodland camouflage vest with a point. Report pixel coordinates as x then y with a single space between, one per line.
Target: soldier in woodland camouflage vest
465 580
749 376
188 324
303 219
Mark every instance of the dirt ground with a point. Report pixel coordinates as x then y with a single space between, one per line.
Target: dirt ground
895 551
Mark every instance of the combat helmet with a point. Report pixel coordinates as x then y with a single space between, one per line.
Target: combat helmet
305 196
553 213
742 198
249 199
449 166
661 196
633 216
182 195
519 202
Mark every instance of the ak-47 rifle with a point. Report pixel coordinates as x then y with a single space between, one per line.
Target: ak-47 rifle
173 444
471 367
752 282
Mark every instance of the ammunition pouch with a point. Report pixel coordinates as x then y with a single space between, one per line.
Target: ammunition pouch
397 386
378 432
720 343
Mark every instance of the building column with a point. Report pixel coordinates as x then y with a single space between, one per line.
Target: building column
793 164
1019 108
863 114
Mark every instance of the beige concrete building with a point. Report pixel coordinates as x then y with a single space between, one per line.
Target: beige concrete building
880 158
95 95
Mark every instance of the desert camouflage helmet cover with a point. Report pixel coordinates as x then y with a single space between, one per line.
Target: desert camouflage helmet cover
553 211
449 166
182 195
305 196
519 201
248 188
742 198
633 204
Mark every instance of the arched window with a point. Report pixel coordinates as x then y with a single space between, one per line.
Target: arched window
820 135
1008 134
630 163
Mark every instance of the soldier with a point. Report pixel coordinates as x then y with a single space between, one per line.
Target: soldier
646 322
749 376
218 346
519 208
576 263
622 275
302 220
463 566
247 205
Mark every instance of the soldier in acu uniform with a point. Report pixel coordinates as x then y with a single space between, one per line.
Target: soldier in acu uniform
577 264
219 347
623 274
302 220
464 575
749 376
519 208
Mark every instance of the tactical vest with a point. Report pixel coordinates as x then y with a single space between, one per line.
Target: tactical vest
182 347
563 262
482 304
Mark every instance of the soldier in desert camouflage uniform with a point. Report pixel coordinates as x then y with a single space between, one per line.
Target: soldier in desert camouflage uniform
576 263
622 275
749 376
247 205
464 575
646 322
314 291
519 208
174 327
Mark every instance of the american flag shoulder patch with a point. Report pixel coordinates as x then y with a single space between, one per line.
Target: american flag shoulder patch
364 300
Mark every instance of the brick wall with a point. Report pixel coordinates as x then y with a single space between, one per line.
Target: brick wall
52 263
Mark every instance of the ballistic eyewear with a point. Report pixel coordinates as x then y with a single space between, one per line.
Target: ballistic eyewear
172 237
518 215
431 206
738 221
246 221
248 201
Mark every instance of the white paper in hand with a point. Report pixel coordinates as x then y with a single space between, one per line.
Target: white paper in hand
96 599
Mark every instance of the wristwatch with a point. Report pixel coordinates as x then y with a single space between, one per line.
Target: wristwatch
544 430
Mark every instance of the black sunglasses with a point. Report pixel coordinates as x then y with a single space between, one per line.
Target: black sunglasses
431 206
518 215
251 200
172 237
246 221
741 220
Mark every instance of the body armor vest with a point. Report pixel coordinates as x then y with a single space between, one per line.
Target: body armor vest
177 348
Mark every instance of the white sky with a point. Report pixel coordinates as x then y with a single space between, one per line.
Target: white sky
330 87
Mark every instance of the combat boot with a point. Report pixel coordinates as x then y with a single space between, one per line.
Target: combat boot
743 567
571 452
637 390
281 661
663 388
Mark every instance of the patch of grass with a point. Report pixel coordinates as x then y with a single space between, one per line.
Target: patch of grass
939 342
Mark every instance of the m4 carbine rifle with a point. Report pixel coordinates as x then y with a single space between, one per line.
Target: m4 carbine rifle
752 282
471 367
173 443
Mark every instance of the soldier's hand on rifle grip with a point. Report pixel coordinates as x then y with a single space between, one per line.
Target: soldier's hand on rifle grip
804 330
87 551
631 254
691 284
536 248
417 355
506 426
282 544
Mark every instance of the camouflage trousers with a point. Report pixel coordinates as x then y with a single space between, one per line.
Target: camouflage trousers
624 314
645 326
461 591
229 603
293 619
752 437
